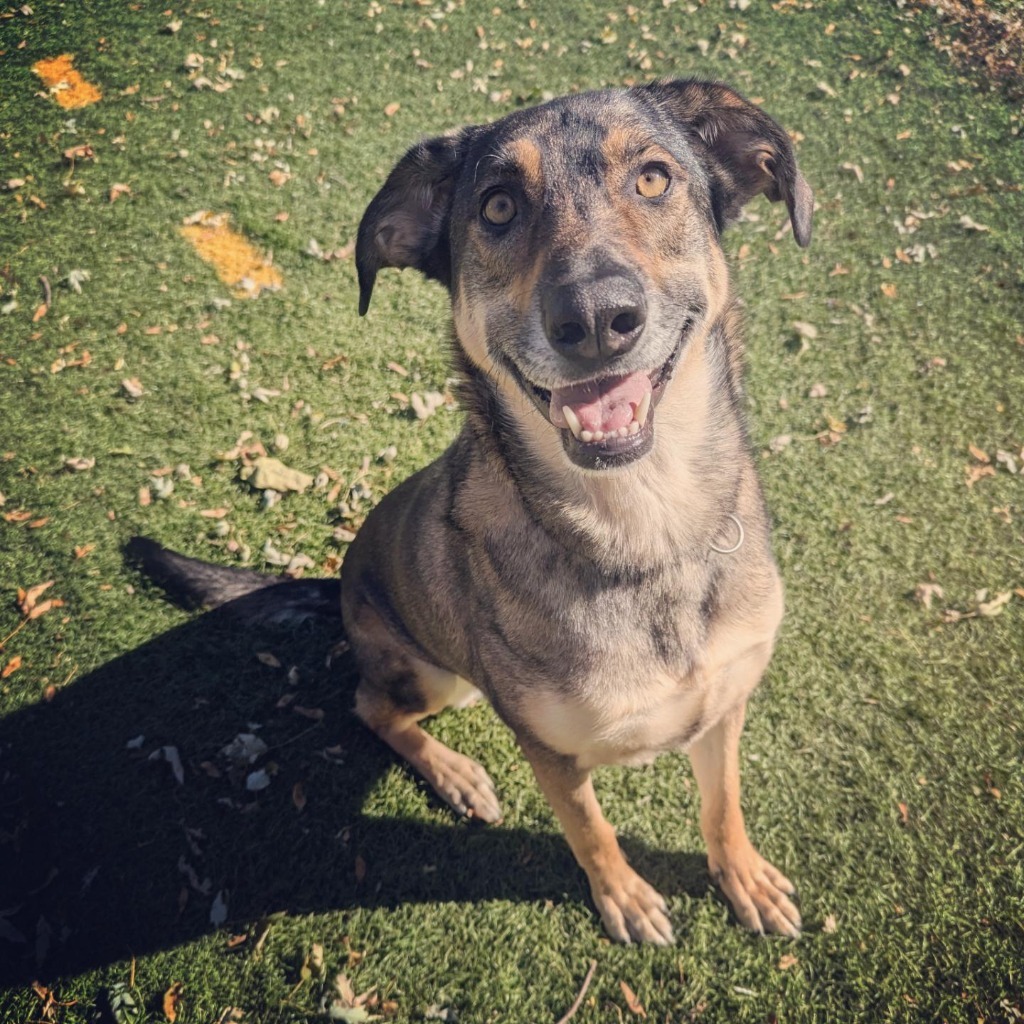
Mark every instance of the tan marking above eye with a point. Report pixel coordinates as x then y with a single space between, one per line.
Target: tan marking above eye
652 182
499 209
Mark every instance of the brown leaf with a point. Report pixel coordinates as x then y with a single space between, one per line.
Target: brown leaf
980 454
925 593
81 550
889 290
42 609
904 813
40 312
995 606
83 152
830 924
279 178
299 796
391 109
117 190
214 513
266 658
313 714
787 961
975 473
172 1001
360 868
27 598
634 1004
11 667
38 523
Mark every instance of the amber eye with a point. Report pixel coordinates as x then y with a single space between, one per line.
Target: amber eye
653 182
499 208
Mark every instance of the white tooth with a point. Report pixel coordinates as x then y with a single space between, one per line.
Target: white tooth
598 435
623 431
634 428
573 420
643 409
586 436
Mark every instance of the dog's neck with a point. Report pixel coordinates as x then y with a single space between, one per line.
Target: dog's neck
669 506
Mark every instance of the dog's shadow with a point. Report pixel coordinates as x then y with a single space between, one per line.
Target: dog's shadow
109 848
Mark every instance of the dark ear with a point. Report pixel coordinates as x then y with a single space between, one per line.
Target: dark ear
748 153
406 224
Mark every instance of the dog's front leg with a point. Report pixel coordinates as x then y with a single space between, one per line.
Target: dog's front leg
631 909
759 893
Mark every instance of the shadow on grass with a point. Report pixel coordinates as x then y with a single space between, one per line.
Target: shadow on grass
104 855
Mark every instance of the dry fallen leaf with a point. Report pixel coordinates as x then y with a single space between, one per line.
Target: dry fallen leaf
299 796
172 1001
996 605
117 190
925 593
11 667
634 1004
889 290
786 961
133 387
975 473
830 925
980 454
968 224
79 464
27 598
267 473
391 109
83 152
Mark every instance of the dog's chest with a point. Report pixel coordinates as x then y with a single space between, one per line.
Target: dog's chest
627 719
616 678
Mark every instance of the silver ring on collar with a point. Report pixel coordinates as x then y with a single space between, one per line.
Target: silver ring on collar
739 541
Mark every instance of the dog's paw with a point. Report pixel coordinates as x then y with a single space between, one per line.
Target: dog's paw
631 909
463 785
758 891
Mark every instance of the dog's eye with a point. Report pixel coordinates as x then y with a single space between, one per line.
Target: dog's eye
653 182
498 209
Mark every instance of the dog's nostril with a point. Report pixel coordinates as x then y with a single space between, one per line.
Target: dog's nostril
570 333
625 322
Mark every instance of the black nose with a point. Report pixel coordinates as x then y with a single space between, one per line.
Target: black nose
593 321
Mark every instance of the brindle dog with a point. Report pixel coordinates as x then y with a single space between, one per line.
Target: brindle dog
592 552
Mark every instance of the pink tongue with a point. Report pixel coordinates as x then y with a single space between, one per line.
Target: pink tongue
603 405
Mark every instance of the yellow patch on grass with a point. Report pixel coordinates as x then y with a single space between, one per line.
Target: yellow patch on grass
66 85
237 261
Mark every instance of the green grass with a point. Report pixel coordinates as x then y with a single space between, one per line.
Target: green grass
872 703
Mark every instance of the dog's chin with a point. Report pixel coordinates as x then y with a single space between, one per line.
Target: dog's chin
622 448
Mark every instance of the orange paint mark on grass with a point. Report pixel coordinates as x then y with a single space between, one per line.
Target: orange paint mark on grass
66 85
237 261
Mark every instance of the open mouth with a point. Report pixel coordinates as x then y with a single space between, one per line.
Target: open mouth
607 422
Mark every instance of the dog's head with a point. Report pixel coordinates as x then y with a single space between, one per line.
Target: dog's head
580 243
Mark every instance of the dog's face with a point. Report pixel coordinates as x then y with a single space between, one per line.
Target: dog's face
580 243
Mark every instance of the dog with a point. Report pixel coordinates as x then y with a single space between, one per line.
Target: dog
592 552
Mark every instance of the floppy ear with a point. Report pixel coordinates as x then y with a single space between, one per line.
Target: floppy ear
747 152
406 224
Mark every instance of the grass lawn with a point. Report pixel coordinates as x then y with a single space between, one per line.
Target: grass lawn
883 753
